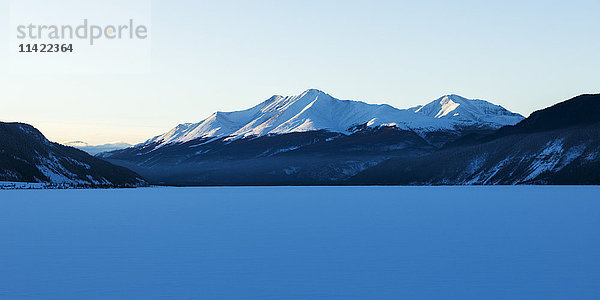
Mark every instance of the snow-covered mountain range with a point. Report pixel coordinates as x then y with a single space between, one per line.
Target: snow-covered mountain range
315 139
468 111
558 145
315 110
95 149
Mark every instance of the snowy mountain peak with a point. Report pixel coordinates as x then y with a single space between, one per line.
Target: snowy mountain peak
313 92
441 107
316 110
455 107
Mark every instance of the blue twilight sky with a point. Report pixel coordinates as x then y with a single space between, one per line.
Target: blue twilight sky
229 55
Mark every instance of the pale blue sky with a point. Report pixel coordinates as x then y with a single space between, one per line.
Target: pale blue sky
229 55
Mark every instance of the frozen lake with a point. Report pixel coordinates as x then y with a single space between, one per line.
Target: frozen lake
301 243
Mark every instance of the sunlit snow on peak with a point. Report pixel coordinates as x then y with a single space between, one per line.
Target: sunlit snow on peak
316 110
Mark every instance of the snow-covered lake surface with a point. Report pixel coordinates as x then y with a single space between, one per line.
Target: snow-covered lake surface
301 243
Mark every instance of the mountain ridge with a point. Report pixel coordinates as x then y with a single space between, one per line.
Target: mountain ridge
556 145
96 149
311 138
455 107
27 156
315 110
